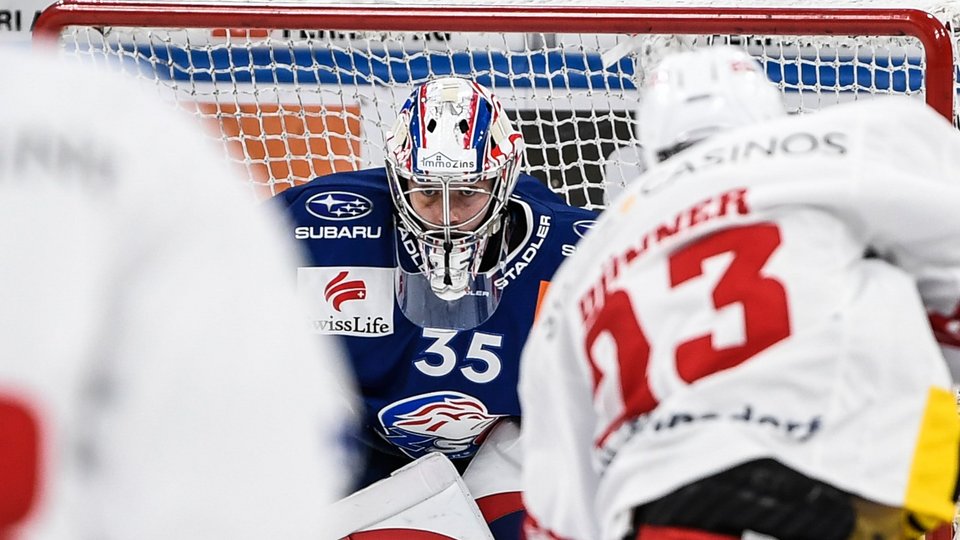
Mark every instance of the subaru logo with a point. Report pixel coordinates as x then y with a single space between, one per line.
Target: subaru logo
583 227
339 205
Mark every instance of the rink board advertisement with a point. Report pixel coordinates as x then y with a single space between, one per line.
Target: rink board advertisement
17 18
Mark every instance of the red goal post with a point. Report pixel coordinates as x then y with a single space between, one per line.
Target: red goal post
292 104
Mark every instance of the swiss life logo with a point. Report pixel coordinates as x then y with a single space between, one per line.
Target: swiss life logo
339 290
348 301
440 162
339 206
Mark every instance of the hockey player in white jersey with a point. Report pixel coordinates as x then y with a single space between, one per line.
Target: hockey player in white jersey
723 354
154 383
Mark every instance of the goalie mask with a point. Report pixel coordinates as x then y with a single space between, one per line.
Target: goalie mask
452 162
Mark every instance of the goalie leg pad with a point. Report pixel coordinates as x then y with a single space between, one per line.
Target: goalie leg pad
424 499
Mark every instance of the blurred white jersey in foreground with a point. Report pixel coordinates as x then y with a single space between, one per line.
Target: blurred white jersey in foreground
154 381
724 310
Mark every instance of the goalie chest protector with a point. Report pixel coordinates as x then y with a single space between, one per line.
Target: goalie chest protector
425 389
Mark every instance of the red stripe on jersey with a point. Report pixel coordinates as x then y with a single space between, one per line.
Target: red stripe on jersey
533 530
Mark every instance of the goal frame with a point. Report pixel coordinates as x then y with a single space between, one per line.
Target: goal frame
930 31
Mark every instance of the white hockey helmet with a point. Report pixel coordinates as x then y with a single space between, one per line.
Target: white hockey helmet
691 95
452 142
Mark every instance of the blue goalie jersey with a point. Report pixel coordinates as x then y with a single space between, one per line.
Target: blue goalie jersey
425 389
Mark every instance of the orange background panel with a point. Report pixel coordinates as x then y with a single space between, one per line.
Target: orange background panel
544 285
256 131
240 32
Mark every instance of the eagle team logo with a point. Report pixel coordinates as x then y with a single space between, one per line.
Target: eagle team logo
339 206
449 422
339 290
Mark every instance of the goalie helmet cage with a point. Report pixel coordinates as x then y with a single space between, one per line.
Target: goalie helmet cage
299 90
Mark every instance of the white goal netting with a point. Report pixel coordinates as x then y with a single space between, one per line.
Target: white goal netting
295 91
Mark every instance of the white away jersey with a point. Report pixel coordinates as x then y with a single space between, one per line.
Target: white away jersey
155 381
724 310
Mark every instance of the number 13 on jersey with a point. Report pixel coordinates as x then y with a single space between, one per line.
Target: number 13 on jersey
762 298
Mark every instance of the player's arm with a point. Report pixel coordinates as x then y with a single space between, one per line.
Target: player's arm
247 417
912 207
554 384
214 414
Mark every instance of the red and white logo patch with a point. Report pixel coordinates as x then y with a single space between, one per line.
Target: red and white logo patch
348 301
341 289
